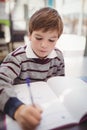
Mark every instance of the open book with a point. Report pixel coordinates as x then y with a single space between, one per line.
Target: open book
61 98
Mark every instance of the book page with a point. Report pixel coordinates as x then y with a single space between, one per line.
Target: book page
54 113
75 102
42 94
60 84
72 93
54 116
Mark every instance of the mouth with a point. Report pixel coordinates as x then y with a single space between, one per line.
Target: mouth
43 51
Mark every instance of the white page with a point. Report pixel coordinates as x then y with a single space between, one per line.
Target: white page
22 92
12 124
72 93
75 102
54 114
42 94
60 84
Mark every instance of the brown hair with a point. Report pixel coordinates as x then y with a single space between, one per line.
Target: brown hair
46 19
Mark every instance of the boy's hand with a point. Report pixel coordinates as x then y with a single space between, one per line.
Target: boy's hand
28 116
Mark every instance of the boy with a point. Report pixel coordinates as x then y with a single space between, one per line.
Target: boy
39 60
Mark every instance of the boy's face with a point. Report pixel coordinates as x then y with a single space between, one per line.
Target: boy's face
43 43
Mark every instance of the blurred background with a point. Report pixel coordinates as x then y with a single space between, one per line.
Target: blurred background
14 16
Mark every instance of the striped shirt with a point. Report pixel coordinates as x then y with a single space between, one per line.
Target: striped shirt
23 63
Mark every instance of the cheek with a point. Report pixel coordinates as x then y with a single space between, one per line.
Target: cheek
35 44
51 46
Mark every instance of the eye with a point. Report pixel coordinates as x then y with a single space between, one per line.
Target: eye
51 40
38 38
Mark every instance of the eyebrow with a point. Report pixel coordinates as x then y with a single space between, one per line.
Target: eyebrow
42 36
38 35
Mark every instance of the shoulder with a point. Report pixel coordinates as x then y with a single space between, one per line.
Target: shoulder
17 55
19 51
59 53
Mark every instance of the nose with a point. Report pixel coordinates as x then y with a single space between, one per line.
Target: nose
44 44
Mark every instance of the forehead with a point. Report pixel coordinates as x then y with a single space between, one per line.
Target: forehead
51 33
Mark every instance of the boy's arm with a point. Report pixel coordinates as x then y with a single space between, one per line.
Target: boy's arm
8 72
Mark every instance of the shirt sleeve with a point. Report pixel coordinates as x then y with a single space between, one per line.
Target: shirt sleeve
9 70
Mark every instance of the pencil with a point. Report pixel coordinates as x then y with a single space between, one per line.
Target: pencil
30 92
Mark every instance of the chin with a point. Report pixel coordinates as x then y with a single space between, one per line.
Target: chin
42 57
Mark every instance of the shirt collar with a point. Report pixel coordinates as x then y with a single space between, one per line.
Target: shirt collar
31 54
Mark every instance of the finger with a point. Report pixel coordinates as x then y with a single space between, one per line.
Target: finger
38 107
29 128
32 120
36 113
